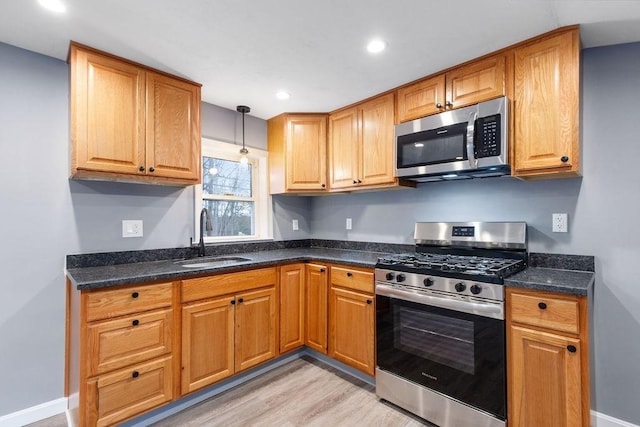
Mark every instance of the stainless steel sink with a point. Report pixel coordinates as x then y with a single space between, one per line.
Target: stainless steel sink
210 262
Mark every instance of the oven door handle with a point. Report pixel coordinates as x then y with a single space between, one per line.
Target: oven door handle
484 309
471 146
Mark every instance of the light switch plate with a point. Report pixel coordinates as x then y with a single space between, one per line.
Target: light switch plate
131 228
294 225
349 224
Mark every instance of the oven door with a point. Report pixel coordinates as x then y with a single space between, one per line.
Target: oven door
458 354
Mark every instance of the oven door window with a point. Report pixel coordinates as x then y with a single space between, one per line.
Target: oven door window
435 146
458 354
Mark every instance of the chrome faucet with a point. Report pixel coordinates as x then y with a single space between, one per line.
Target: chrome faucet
205 222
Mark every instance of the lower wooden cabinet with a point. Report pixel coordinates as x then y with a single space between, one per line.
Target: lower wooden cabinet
548 360
352 318
120 351
226 335
316 277
291 307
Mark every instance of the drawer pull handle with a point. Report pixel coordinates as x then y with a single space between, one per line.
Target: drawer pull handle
572 348
135 374
349 274
136 322
542 306
135 295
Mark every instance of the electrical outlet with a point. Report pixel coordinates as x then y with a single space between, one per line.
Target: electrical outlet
131 228
559 222
294 225
349 224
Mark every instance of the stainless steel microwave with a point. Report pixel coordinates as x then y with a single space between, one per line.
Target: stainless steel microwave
469 142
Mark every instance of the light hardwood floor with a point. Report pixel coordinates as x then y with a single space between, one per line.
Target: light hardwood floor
304 392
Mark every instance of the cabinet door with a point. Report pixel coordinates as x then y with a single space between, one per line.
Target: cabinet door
546 106
344 139
476 82
544 379
255 328
351 322
291 307
316 307
107 114
207 342
306 163
421 99
377 141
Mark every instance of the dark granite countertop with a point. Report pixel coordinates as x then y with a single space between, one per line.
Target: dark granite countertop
571 274
553 280
138 272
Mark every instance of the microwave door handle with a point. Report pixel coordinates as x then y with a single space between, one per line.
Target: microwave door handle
473 162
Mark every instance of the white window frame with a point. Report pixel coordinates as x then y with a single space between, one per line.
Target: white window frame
263 224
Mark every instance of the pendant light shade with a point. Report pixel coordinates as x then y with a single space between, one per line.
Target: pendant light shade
243 151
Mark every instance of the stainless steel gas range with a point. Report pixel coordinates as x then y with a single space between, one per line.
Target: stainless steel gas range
440 322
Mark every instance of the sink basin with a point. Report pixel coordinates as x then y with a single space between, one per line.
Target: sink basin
211 262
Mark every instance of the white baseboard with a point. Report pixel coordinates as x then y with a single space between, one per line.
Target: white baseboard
34 413
602 420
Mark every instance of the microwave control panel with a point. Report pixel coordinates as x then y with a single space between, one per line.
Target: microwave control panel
487 136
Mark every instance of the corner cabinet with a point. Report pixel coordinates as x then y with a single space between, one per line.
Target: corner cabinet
546 107
297 153
361 146
132 123
548 359
352 318
468 84
228 325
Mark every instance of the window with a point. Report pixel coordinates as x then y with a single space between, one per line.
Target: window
235 194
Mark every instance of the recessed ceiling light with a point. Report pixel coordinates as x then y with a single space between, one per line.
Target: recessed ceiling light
53 5
376 46
283 95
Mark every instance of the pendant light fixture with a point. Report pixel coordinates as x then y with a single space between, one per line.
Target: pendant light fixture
244 159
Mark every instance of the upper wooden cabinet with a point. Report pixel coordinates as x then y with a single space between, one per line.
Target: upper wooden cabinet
297 153
461 86
546 105
131 123
361 141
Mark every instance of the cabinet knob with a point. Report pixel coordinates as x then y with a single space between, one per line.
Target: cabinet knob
359 181
240 300
323 185
349 274
448 104
369 301
542 305
355 182
135 295
141 168
135 322
152 169
135 374
233 302
564 159
322 270
572 348
438 105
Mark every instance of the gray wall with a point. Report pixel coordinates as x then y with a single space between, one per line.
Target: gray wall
45 217
602 206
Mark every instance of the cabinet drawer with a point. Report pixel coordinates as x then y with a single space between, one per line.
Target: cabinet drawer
124 341
121 301
545 310
352 279
229 283
129 392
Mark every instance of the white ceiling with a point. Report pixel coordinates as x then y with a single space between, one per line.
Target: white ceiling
243 52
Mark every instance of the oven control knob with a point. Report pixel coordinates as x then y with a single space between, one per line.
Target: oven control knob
460 286
400 278
390 276
475 289
428 282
